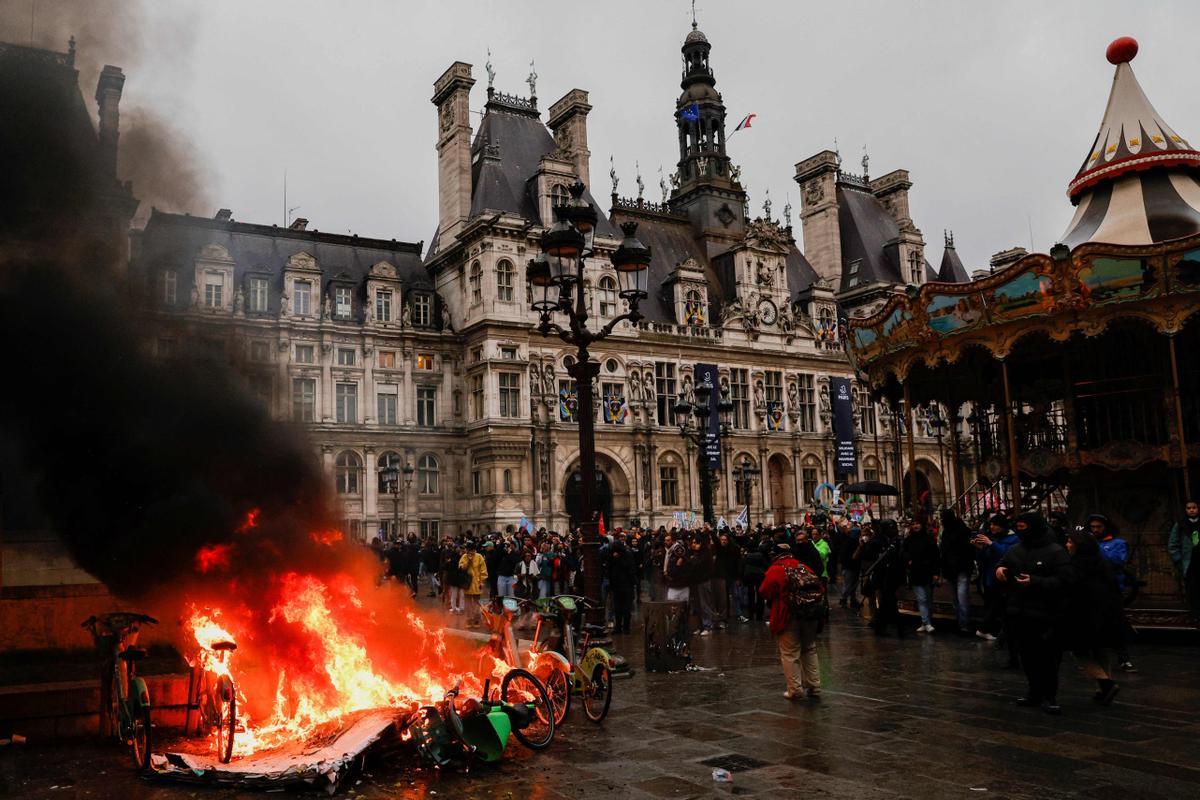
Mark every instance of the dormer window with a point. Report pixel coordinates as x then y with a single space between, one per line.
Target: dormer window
383 305
214 290
559 196
608 297
914 267
302 298
258 295
423 310
167 282
341 302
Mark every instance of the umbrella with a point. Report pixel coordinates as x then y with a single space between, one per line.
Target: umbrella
871 488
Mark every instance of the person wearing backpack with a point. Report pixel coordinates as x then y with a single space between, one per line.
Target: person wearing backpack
796 596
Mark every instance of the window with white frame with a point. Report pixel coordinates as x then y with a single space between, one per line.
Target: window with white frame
305 354
915 270
304 399
607 290
431 529
346 396
302 298
346 357
167 283
425 361
422 310
349 466
214 291
342 303
809 479
385 400
386 359
383 305
505 279
559 195
426 406
867 420
664 385
428 472
258 295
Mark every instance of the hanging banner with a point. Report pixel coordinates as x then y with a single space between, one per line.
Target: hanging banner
775 415
845 459
711 446
568 405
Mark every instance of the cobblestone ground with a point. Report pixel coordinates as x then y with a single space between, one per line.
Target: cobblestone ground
922 717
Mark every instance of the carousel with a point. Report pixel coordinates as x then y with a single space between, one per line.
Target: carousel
1072 377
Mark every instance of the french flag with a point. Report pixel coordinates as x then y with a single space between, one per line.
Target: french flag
745 123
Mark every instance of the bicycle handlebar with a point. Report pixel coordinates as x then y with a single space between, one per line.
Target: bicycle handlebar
118 620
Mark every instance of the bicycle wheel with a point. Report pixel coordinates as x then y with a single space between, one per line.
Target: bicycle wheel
226 707
597 695
558 686
141 737
520 687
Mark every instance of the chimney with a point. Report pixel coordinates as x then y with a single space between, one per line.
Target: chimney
223 215
892 191
298 224
108 97
568 121
452 95
817 177
1006 257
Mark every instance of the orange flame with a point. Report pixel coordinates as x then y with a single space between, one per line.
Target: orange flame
327 538
251 521
213 556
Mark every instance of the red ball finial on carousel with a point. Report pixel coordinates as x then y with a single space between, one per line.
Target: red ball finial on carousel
1122 50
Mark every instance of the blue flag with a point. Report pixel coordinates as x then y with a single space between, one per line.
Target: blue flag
743 518
691 113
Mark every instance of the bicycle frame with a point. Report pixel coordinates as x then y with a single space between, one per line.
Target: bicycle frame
539 662
581 670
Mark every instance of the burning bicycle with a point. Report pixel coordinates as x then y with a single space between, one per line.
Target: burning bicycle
211 690
127 712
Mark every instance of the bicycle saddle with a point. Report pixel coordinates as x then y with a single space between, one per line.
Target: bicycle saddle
520 714
224 646
590 628
132 654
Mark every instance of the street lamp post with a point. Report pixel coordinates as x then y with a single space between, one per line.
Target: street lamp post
557 280
391 477
938 422
698 435
745 474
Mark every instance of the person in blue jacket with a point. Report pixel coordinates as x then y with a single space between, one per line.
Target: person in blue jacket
990 548
1115 551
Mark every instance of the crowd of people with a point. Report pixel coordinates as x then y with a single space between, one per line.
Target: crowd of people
1045 588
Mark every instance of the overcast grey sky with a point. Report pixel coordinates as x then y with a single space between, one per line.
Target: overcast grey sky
991 106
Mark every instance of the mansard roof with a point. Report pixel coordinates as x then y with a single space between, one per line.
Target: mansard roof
952 269
174 240
866 227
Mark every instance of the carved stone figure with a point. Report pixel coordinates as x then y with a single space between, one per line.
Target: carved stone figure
760 395
535 380
326 308
787 323
491 72
612 174
648 385
635 387
239 302
764 274
548 378
675 179
284 303
196 295
532 80
406 315
735 172
793 395
688 391
814 193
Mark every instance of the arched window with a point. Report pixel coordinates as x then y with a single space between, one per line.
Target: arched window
505 279
349 465
388 459
427 474
559 196
668 481
476 282
508 481
608 297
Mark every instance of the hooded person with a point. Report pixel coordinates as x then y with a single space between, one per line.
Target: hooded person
795 637
1093 623
1036 574
883 574
991 546
958 561
1116 552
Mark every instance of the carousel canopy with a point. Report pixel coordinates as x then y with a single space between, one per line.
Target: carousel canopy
1138 182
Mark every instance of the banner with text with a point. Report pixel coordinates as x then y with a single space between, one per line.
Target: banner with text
711 445
845 459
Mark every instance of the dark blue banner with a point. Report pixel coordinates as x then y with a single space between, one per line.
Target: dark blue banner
845 460
711 445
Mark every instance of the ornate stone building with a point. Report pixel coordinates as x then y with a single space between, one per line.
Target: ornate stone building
387 355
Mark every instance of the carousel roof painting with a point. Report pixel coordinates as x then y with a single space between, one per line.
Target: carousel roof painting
1133 249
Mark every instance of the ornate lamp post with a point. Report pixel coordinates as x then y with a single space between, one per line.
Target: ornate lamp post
557 279
938 423
699 435
745 474
391 477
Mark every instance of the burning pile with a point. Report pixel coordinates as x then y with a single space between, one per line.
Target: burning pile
314 649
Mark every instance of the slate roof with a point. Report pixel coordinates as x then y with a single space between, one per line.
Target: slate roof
173 241
866 227
952 269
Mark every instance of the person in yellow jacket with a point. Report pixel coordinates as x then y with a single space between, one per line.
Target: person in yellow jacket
476 569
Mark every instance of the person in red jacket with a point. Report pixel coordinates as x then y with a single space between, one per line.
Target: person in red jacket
796 638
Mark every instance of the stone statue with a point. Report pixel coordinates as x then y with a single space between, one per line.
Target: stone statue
675 179
648 385
735 172
196 295
612 174
641 186
368 313
548 375
793 395
688 392
535 380
787 323
787 214
731 311
406 316
662 184
284 300
326 307
702 164
767 204
635 387
532 80
760 395
491 73
239 302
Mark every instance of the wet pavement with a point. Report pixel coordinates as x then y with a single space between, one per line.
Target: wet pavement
922 717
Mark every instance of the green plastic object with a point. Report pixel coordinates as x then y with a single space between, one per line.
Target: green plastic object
488 733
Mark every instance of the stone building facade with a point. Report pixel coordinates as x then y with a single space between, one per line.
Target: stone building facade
428 357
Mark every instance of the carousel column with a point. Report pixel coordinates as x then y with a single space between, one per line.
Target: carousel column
912 454
1013 464
1183 448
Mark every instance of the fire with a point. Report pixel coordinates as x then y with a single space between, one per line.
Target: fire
251 521
212 556
327 538
328 654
